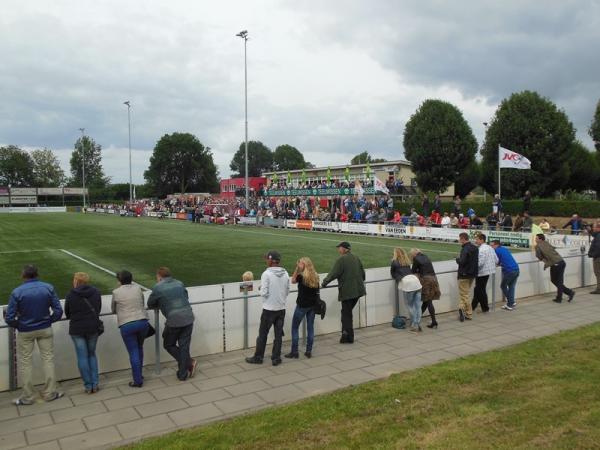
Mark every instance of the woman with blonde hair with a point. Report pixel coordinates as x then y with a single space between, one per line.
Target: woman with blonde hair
307 279
82 307
409 284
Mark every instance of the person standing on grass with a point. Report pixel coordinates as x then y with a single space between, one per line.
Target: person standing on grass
467 272
410 286
423 268
349 272
171 296
28 311
132 319
548 254
510 274
307 279
486 266
274 289
82 307
594 252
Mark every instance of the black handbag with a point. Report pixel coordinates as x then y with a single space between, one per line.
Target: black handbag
151 331
320 308
100 323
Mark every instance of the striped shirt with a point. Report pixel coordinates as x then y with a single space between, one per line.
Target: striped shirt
487 260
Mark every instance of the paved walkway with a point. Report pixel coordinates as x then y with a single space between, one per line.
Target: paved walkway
226 386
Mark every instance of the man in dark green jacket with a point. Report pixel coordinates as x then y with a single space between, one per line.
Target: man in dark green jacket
349 272
171 296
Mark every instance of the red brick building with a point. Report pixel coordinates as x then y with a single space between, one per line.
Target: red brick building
229 186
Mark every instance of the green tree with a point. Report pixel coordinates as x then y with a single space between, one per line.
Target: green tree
584 171
92 155
364 157
180 163
286 157
46 169
594 130
16 167
439 143
260 158
533 126
467 179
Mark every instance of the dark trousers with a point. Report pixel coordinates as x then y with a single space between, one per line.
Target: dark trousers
480 293
176 340
268 319
430 309
347 323
557 276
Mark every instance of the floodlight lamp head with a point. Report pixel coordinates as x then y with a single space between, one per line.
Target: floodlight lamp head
128 103
243 34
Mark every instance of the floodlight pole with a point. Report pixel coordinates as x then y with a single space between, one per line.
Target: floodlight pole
128 103
244 36
83 164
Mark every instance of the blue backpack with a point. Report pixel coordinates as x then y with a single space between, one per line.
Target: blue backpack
399 322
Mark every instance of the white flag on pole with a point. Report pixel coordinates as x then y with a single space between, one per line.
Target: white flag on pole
358 189
380 187
512 160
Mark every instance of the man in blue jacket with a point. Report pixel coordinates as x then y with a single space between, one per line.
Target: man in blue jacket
28 311
510 273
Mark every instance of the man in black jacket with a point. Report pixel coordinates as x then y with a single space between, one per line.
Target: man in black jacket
594 252
467 272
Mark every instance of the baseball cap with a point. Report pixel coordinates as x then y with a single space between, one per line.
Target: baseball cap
274 255
344 244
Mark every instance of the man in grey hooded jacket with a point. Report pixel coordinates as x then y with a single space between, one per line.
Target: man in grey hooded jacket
274 289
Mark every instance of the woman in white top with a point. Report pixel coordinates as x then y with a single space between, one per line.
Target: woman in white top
409 284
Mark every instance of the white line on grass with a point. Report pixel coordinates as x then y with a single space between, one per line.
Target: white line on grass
335 240
97 266
8 252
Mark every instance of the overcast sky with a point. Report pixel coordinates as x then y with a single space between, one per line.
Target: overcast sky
331 78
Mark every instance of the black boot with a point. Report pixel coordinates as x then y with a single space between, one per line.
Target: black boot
433 324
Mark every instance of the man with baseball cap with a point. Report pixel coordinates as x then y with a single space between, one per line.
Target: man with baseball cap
274 289
349 272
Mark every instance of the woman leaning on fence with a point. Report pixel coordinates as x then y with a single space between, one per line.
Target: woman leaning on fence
423 267
82 307
409 284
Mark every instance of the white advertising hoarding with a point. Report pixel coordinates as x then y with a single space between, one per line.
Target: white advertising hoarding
50 191
23 191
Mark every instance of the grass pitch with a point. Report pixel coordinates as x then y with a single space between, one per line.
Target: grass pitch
197 254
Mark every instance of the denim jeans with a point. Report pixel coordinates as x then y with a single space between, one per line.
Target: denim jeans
299 314
508 283
413 301
176 340
133 334
85 348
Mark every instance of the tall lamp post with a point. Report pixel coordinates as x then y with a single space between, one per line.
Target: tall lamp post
244 36
128 103
83 164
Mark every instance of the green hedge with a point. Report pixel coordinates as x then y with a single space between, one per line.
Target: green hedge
539 208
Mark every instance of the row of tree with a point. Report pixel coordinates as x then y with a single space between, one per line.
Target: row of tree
442 148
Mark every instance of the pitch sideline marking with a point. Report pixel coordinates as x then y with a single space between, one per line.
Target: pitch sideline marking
97 266
8 252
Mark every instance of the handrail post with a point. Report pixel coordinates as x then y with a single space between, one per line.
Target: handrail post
245 318
582 249
156 342
494 291
12 360
397 297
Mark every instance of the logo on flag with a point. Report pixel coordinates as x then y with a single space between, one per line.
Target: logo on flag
512 160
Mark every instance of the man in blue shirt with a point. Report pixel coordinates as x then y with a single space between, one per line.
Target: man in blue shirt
510 273
28 312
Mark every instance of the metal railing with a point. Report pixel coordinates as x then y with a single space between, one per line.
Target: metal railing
246 297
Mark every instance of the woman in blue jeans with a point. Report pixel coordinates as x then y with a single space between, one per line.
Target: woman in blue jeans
308 294
82 307
410 286
132 319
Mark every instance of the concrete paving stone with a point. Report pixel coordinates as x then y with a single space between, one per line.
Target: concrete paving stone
382 370
319 385
91 439
320 360
162 406
8 411
437 356
320 371
350 364
282 394
380 348
129 400
102 394
183 388
110 418
52 432
462 350
25 423
148 425
285 378
378 358
196 414
322 350
250 375
247 387
149 385
295 365
350 354
406 351
213 383
206 397
52 445
353 377
12 440
241 403
42 407
212 372
449 332
75 412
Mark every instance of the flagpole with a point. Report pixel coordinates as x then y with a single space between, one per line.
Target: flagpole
499 190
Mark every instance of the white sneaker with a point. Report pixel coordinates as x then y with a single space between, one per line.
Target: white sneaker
507 308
